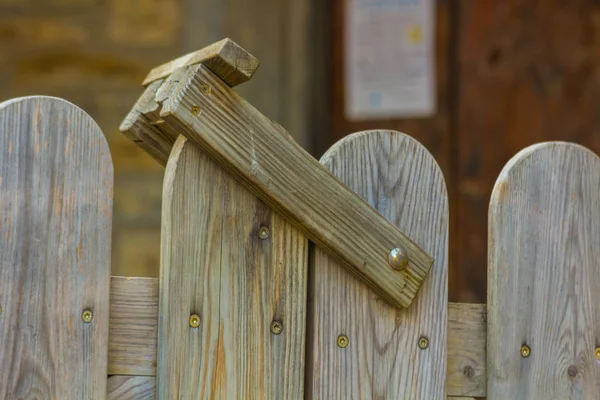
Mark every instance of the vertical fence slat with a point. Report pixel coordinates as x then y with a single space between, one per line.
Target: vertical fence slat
215 264
544 276
56 181
397 176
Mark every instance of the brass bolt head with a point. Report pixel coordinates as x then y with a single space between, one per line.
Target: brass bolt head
342 341
263 233
397 259
205 89
276 327
597 352
525 351
423 342
87 316
194 321
195 110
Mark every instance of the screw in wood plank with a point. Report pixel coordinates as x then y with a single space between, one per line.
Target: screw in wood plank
205 89
194 321
158 122
423 342
276 327
195 110
342 341
525 351
596 352
263 232
397 259
87 316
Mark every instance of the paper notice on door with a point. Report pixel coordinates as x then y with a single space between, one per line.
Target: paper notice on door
389 59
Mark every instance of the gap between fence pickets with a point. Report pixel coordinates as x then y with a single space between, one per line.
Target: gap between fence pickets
133 336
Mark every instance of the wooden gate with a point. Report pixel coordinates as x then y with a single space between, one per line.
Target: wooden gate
283 277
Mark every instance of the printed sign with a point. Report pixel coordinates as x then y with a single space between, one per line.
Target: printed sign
389 60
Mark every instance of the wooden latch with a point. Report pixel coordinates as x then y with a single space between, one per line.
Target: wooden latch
193 96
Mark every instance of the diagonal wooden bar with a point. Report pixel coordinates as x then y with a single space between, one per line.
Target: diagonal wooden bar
247 144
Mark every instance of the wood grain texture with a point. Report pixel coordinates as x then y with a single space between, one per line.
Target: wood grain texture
225 58
436 133
399 177
215 265
467 325
543 276
121 387
132 342
56 181
292 182
144 132
133 333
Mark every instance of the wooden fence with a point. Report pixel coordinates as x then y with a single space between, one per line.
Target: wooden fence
247 305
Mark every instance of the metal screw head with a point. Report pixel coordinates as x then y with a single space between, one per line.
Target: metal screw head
525 351
263 233
205 89
597 352
397 259
87 316
276 327
342 341
423 342
194 321
195 110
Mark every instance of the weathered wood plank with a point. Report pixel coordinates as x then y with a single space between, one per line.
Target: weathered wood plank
133 333
543 275
132 345
122 387
56 181
225 58
215 265
145 133
466 350
399 177
247 144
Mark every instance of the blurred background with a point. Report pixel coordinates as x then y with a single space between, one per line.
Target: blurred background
486 79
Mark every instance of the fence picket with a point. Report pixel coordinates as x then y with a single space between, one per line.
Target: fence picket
237 278
398 176
543 275
56 181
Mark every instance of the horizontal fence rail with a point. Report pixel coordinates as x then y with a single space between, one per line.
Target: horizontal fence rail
133 335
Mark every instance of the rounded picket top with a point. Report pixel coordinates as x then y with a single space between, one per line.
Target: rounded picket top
543 275
396 175
56 184
414 147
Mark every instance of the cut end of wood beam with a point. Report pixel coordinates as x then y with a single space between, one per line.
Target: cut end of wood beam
225 58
